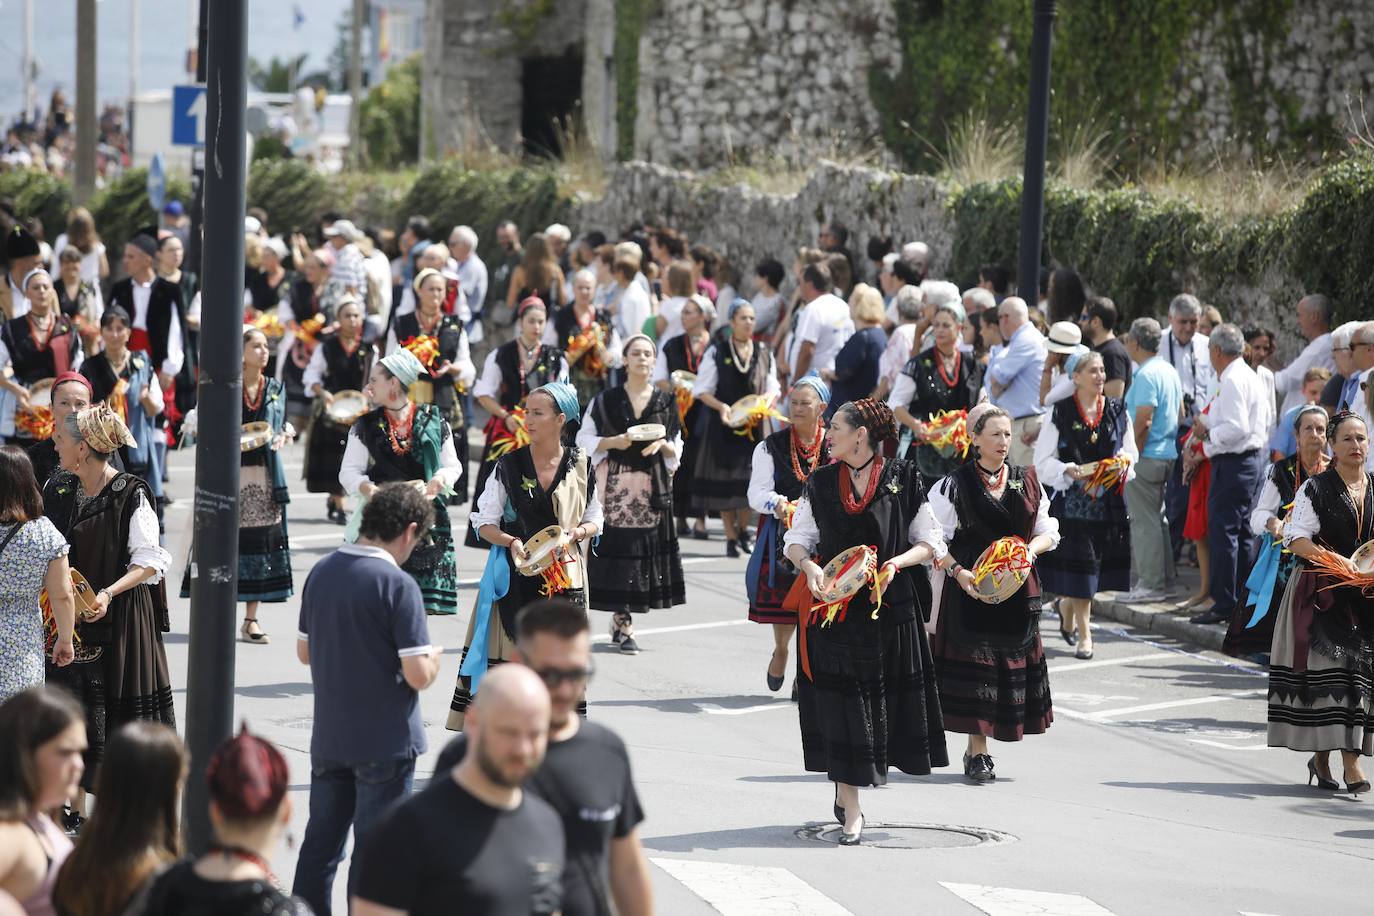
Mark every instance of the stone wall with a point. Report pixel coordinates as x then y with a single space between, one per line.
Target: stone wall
727 77
747 225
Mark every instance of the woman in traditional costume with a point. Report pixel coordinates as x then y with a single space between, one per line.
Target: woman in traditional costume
935 382
120 672
1319 672
991 666
1094 553
511 372
782 464
734 365
264 552
684 353
127 382
399 440
34 347
636 565
868 698
587 339
301 314
1252 631
545 483
341 362
439 341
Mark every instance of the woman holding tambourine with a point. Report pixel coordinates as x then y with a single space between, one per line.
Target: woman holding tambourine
867 700
340 363
536 508
990 664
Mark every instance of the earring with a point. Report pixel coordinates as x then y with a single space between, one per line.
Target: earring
290 839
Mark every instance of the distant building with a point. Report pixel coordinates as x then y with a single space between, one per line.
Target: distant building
396 30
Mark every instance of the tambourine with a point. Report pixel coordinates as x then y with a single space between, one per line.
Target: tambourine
1001 570
543 549
746 407
40 394
1363 557
346 407
86 606
846 573
254 435
683 379
646 432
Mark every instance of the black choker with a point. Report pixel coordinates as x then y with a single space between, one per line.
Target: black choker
985 472
862 466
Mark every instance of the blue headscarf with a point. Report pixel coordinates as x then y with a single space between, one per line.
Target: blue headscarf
1074 358
565 397
813 381
735 307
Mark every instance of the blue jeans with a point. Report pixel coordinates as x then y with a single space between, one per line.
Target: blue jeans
343 795
1228 524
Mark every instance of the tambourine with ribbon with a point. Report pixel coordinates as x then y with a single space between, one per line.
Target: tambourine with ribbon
86 608
1099 477
504 439
848 573
751 410
1001 570
1328 563
35 421
947 432
548 559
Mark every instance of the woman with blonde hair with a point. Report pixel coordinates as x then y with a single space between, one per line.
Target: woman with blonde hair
856 365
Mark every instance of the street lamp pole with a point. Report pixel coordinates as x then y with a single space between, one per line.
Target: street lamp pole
1037 134
214 575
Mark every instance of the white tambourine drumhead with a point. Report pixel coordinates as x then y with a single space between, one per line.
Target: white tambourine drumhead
1363 557
347 406
40 394
542 548
739 411
839 586
683 379
254 435
647 432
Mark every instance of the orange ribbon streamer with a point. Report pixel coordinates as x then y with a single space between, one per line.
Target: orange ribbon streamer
587 343
35 422
1008 554
556 578
424 348
947 431
1109 474
757 415
504 440
1328 563
684 404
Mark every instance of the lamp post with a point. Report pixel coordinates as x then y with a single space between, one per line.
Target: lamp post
1037 133
214 576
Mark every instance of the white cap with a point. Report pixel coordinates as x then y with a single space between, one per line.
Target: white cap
251 224
344 228
277 247
559 231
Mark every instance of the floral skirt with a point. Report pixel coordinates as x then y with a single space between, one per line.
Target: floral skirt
635 565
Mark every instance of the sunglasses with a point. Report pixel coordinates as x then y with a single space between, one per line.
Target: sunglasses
553 677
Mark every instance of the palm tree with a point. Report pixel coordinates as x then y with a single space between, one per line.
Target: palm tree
278 75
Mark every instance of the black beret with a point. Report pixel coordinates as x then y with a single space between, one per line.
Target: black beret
20 243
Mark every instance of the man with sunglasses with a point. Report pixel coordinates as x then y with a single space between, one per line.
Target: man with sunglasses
586 772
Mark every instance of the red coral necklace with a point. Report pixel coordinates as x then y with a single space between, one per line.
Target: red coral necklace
852 506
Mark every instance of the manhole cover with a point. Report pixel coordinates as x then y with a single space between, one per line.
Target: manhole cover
911 836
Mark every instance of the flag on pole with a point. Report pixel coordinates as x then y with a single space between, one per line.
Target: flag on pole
297 17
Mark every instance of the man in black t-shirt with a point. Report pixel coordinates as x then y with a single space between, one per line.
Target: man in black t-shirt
586 775
474 841
1098 319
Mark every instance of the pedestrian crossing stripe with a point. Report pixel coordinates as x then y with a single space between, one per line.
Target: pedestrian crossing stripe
750 890
1007 901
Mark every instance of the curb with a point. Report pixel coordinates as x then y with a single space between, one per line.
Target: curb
1161 619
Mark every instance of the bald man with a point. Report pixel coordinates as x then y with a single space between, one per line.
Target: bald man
474 841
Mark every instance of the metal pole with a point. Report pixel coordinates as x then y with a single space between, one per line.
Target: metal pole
86 124
193 248
1037 133
26 64
133 68
355 86
214 579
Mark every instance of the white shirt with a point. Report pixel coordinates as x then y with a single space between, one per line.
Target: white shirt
1303 521
19 303
489 385
316 368
924 529
708 376
1195 371
171 365
826 324
460 304
491 504
90 261
589 440
353 468
1288 380
632 311
895 357
1241 414
1268 506
1266 378
945 513
144 547
767 311
1050 468
1361 409
670 310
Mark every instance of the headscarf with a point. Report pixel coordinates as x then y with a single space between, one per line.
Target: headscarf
1333 426
24 284
102 430
530 302
976 413
422 276
70 376
736 306
708 308
247 776
813 381
1075 357
1304 411
403 364
644 337
956 311
565 397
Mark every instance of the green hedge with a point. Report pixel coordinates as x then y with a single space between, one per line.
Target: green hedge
451 194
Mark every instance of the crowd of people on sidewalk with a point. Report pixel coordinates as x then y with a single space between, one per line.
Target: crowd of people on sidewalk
858 426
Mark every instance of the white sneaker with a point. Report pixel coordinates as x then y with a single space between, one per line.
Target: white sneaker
1140 596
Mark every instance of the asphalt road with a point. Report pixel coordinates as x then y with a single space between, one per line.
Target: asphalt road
1152 793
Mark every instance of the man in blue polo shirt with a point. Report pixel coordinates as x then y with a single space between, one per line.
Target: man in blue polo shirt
363 634
1154 401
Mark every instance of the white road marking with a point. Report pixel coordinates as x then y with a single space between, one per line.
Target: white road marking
1088 699
687 626
1107 662
750 890
1231 747
1172 704
316 538
1010 901
717 710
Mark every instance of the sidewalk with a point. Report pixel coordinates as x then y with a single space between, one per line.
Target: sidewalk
1161 617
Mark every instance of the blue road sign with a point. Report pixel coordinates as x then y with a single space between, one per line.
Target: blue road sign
188 115
157 182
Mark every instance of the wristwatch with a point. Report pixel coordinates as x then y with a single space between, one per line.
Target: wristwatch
109 596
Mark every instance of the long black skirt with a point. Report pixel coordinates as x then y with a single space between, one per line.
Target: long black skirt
723 466
636 569
324 451
869 707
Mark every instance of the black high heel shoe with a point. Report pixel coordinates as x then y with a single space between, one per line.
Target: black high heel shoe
838 809
744 543
1324 784
731 549
1070 636
775 683
1357 788
855 838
